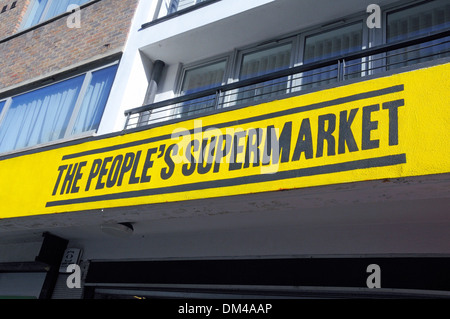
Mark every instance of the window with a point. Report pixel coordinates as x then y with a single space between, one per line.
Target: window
64 109
42 10
2 104
331 44
261 62
94 101
198 79
417 21
307 48
177 5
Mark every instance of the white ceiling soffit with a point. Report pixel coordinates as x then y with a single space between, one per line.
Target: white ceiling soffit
191 37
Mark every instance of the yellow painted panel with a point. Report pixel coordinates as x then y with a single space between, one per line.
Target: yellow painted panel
390 127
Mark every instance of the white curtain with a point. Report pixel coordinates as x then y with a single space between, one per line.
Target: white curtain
177 5
60 6
416 21
49 8
199 79
260 63
328 45
2 104
35 13
94 101
40 116
45 114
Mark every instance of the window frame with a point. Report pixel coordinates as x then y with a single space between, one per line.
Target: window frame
73 117
370 38
3 111
42 19
196 2
183 68
393 8
240 53
354 19
202 63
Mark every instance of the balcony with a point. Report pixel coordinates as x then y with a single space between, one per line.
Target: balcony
170 8
383 59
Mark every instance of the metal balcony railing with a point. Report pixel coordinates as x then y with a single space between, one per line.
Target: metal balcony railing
296 79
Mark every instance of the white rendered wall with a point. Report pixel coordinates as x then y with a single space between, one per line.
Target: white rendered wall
130 85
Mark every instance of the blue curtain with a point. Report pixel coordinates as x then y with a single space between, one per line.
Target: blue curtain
2 104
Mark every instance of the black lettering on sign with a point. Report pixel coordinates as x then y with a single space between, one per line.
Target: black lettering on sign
69 178
147 165
326 134
237 149
345 132
367 126
205 163
126 167
133 178
223 148
78 176
304 141
393 106
207 155
254 138
61 170
95 169
167 172
189 168
276 147
103 172
114 171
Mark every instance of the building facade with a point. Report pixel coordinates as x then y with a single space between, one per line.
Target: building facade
224 148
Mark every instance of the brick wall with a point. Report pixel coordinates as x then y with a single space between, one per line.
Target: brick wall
53 46
11 15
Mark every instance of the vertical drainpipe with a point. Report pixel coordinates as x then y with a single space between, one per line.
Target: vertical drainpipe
158 67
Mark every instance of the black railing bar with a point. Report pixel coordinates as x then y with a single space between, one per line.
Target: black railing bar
412 59
282 81
275 91
422 47
416 48
423 56
287 88
292 87
254 97
398 62
314 82
281 89
174 106
385 65
210 106
159 119
298 69
303 76
388 55
225 95
391 64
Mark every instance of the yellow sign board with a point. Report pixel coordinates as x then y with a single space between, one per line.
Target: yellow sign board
389 127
